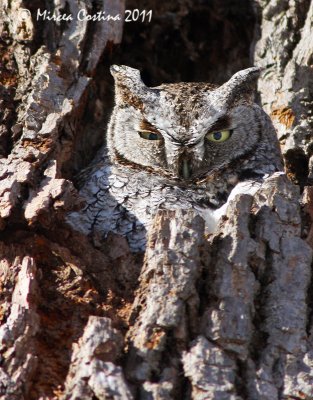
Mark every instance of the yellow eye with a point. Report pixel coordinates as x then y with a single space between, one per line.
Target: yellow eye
219 136
150 135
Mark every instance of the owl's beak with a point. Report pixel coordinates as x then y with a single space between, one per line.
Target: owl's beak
186 169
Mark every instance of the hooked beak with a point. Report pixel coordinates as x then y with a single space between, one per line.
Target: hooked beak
186 168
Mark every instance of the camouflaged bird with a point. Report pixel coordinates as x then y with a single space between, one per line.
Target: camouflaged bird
176 146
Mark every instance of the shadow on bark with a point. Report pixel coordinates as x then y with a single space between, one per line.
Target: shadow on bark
227 316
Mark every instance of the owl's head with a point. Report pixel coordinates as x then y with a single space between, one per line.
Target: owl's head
185 131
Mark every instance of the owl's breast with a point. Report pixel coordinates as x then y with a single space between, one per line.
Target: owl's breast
144 193
123 201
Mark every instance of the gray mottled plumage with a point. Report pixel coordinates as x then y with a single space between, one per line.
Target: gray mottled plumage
132 177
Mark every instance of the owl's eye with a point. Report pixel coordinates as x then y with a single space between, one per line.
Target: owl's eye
219 136
150 135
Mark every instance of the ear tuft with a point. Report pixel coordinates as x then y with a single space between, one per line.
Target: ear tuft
129 88
123 71
115 68
245 76
239 88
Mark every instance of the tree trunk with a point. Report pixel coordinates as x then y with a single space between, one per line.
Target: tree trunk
227 316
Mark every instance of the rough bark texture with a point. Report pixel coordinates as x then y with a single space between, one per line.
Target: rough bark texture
227 316
285 49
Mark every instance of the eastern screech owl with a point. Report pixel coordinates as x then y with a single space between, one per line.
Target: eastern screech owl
181 145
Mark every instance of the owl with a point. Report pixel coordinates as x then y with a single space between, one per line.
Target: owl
175 146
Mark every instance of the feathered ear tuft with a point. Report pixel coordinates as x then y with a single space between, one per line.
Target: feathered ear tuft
124 72
129 88
239 88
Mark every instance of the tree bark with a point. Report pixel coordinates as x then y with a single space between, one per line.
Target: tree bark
225 316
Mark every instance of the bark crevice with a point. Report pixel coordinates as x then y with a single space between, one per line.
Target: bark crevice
227 316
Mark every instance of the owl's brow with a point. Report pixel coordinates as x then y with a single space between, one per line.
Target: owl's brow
147 126
222 122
